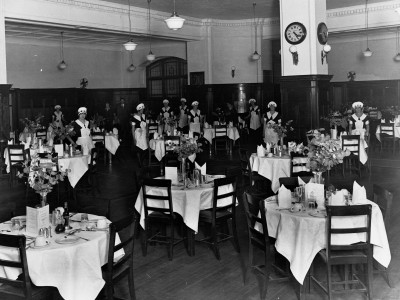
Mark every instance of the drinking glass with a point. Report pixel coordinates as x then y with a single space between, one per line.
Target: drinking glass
299 192
311 205
84 221
15 225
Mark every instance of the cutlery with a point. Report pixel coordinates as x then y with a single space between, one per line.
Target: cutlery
283 209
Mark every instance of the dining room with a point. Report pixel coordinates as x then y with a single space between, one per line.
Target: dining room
236 150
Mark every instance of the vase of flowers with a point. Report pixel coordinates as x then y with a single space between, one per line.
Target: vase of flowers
63 133
282 130
188 147
30 128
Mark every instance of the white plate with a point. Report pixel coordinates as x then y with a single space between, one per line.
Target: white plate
318 214
20 218
39 247
67 240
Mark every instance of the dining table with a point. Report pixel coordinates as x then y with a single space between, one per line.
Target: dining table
301 235
76 165
271 167
72 263
158 145
186 201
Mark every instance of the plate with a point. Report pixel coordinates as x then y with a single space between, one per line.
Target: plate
317 214
39 247
67 240
20 218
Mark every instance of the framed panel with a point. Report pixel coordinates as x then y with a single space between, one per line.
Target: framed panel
196 78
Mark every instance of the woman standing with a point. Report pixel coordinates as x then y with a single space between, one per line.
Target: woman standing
82 132
58 117
359 121
165 115
139 132
183 116
194 118
270 118
255 121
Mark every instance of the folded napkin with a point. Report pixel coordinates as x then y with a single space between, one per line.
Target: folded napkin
284 197
292 146
359 194
230 124
190 134
202 168
206 125
299 147
344 133
115 131
260 151
192 157
171 173
268 147
337 198
300 181
318 192
155 135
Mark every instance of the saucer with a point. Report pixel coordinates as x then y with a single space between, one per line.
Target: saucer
39 247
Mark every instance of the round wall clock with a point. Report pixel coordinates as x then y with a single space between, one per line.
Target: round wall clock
295 33
322 33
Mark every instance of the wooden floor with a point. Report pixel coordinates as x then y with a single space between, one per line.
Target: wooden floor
203 276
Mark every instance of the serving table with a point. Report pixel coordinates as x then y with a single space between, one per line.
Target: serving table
74 269
271 168
301 235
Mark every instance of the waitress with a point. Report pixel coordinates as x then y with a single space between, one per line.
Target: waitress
255 120
270 118
166 113
194 117
58 117
82 132
359 121
139 132
183 117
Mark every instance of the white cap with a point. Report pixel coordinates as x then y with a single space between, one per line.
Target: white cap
252 100
57 107
357 104
195 103
272 103
140 106
165 101
82 110
183 99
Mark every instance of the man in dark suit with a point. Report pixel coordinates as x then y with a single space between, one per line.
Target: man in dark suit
123 116
108 117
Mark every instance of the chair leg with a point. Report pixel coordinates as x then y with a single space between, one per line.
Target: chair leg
131 282
215 242
329 280
171 242
143 238
109 291
235 236
370 277
251 253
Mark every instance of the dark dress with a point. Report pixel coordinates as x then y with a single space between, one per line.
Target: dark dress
108 119
358 122
231 116
276 117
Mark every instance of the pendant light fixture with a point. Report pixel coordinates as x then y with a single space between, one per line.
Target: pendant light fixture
130 45
255 55
174 22
131 67
62 65
367 52
397 57
150 56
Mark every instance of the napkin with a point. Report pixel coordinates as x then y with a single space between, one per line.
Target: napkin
230 124
115 131
284 197
190 134
155 135
318 192
359 194
337 198
192 157
202 168
292 146
334 134
171 173
300 181
268 147
260 151
59 149
299 147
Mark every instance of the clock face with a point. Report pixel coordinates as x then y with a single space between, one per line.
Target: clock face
322 33
295 33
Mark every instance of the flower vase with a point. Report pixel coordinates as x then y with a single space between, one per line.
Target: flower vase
318 178
183 171
43 199
281 142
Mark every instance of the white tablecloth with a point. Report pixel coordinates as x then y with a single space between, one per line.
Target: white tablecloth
299 236
271 168
232 132
7 159
111 143
74 269
187 203
396 132
78 165
159 148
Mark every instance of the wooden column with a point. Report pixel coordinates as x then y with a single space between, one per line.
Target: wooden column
4 110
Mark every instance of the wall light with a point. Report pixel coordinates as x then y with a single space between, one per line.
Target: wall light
324 53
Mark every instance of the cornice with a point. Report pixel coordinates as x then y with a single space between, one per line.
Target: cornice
357 10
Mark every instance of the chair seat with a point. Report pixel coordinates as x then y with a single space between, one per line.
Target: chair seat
160 217
41 292
349 256
206 215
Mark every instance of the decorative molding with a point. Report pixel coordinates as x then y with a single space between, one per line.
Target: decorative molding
357 10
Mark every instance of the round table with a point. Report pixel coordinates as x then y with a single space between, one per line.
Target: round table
77 166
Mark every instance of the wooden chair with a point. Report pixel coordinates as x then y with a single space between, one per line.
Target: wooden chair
352 143
113 272
219 215
42 134
387 136
358 253
246 168
151 129
160 213
298 165
292 182
16 157
221 138
99 140
262 241
384 199
22 287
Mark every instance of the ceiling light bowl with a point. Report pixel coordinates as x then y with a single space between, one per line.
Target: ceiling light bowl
130 46
255 56
131 68
62 65
367 53
175 22
150 56
397 57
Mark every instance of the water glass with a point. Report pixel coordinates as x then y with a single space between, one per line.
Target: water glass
15 225
84 221
299 192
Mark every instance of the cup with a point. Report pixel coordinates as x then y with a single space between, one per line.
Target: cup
296 207
101 224
40 241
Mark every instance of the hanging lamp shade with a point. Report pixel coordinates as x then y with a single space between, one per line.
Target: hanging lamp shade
397 57
130 46
62 65
131 68
150 56
367 52
175 22
255 56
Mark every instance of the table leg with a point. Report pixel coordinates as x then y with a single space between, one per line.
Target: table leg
109 158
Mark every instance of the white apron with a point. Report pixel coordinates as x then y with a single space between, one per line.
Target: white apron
183 118
195 125
85 141
254 119
140 135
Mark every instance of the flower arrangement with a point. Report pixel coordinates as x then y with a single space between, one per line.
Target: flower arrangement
324 153
170 121
187 148
390 112
280 129
336 118
65 132
31 126
97 121
41 177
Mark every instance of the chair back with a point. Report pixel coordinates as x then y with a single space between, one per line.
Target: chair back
98 137
352 143
125 224
16 154
23 283
244 160
384 199
220 131
41 133
170 146
164 201
348 211
387 129
292 182
219 198
298 163
151 129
